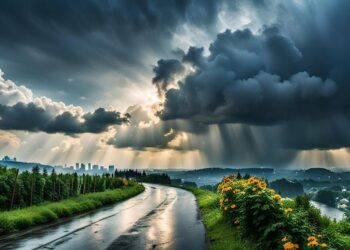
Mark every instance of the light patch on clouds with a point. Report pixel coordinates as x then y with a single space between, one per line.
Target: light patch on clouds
10 140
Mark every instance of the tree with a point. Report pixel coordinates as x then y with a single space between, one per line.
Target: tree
14 188
326 196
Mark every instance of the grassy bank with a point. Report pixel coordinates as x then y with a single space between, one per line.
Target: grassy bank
220 233
19 219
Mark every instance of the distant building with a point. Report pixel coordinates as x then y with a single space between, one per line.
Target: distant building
6 158
77 166
95 167
111 168
89 166
82 166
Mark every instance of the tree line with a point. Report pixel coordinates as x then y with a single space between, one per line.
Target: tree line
22 189
143 177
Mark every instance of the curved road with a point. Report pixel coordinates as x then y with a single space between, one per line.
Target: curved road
159 218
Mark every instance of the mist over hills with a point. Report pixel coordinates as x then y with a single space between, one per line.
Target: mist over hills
25 166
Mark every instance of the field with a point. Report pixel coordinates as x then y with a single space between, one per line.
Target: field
11 221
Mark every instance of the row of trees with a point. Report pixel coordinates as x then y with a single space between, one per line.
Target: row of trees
30 188
143 177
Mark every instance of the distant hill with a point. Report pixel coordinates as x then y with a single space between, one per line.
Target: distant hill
287 188
321 174
23 166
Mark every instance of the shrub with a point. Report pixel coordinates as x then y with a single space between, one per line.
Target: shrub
260 213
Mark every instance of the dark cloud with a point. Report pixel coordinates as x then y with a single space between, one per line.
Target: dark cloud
165 71
30 117
293 75
85 38
250 79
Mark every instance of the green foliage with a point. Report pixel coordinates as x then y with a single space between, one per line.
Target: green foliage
18 219
260 213
18 190
143 177
220 234
326 196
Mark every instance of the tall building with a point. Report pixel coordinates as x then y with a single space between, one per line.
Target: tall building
76 166
111 168
95 168
89 166
82 166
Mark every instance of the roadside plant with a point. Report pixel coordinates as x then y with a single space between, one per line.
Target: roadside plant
260 213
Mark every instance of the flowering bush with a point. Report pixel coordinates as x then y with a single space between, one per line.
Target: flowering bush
259 212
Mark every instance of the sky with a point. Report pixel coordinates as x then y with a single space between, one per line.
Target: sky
176 84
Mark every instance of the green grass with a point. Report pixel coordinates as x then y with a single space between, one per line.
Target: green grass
11 221
220 233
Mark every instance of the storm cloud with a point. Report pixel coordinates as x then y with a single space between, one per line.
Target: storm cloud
30 117
20 110
65 45
251 79
292 77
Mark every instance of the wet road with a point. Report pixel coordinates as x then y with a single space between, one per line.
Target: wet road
159 218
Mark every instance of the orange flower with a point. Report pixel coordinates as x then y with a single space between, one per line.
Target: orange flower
290 246
311 238
277 197
233 206
313 243
262 184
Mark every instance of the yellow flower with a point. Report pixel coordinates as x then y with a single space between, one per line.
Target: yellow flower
290 246
262 185
277 197
225 208
313 243
312 238
254 189
323 245
284 238
236 222
288 210
233 206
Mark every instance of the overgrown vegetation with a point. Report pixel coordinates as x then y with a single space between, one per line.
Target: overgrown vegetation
18 219
221 234
260 213
31 188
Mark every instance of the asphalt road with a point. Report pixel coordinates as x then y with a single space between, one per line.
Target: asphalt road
159 218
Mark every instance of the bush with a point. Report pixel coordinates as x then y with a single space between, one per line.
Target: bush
261 214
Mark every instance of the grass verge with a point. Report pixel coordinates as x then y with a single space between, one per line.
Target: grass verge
219 233
11 221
